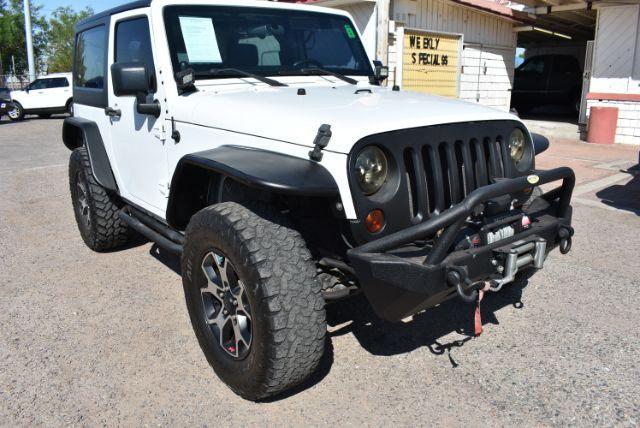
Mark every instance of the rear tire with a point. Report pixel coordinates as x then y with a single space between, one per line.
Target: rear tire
69 108
95 208
281 298
16 113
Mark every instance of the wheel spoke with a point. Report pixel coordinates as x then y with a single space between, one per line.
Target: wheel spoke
241 333
212 287
221 264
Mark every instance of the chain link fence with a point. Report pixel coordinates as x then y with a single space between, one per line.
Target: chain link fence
14 82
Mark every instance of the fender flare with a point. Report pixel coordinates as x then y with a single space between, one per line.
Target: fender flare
261 169
78 132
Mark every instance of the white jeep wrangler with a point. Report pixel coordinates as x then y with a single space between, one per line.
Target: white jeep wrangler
255 140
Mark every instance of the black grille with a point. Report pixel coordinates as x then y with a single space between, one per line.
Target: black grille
441 175
431 169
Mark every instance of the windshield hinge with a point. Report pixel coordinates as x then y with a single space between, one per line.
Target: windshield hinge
159 131
320 142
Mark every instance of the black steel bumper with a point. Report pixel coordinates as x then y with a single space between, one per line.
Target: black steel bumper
398 286
8 105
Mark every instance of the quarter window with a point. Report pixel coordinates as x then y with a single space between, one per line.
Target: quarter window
90 58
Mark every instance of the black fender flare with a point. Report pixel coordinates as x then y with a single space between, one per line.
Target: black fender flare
77 132
261 169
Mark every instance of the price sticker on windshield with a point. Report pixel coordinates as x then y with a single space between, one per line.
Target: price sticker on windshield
350 33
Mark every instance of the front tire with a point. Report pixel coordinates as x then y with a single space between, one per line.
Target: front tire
249 267
16 113
96 210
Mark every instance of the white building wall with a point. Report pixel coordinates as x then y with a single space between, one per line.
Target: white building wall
616 67
489 46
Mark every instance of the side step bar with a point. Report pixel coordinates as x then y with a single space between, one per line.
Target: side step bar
153 230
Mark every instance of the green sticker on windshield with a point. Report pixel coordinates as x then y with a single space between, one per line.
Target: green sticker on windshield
349 31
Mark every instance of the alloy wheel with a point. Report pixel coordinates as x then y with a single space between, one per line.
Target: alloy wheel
14 113
227 310
83 204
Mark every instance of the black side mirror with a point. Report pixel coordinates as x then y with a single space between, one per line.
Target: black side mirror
540 143
132 79
380 72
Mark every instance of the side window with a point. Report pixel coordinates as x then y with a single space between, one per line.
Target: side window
38 84
535 65
133 44
90 58
566 64
58 82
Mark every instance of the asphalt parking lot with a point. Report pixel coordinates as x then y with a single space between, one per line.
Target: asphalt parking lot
105 339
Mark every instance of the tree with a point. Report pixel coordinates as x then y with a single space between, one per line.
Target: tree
61 37
12 39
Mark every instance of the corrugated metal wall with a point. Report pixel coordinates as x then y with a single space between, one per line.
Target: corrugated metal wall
489 46
616 46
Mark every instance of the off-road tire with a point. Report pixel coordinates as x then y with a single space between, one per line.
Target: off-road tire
288 316
19 112
105 230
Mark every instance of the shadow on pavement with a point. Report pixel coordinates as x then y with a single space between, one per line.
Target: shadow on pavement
624 197
384 338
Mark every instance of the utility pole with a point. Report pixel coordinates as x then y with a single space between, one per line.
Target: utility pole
29 39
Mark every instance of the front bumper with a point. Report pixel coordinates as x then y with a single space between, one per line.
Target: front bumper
399 284
5 106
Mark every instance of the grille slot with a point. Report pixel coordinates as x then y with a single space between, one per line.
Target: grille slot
455 168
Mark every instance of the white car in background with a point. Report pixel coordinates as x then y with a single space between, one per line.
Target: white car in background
47 95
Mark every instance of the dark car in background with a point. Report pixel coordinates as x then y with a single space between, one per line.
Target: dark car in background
5 101
547 80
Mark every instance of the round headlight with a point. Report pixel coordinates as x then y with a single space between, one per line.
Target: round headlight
371 169
516 145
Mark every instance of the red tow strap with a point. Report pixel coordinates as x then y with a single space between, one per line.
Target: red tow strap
477 319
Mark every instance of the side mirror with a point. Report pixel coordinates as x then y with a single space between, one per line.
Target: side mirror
380 72
132 79
540 143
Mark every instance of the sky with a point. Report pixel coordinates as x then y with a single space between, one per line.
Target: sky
49 6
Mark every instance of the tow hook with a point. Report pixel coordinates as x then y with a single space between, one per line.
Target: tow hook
467 291
565 234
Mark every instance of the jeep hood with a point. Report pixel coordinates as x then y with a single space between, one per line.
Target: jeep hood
354 112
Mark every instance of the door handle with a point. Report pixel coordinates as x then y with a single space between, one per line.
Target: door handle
112 112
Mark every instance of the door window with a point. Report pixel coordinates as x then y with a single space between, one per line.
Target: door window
133 44
90 58
534 66
58 82
566 64
39 84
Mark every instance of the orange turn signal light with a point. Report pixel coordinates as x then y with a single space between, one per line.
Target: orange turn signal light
374 221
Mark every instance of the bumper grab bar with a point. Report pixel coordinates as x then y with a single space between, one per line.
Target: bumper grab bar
453 219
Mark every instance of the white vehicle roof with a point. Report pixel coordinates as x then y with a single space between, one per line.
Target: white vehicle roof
53 75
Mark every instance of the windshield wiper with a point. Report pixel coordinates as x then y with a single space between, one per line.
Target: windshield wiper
236 71
322 71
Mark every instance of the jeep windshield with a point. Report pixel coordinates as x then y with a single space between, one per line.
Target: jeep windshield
262 41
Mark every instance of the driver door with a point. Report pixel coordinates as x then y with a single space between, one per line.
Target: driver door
36 96
137 139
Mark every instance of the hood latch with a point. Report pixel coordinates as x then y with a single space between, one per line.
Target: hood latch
320 142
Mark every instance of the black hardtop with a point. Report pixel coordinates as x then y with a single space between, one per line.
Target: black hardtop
88 22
